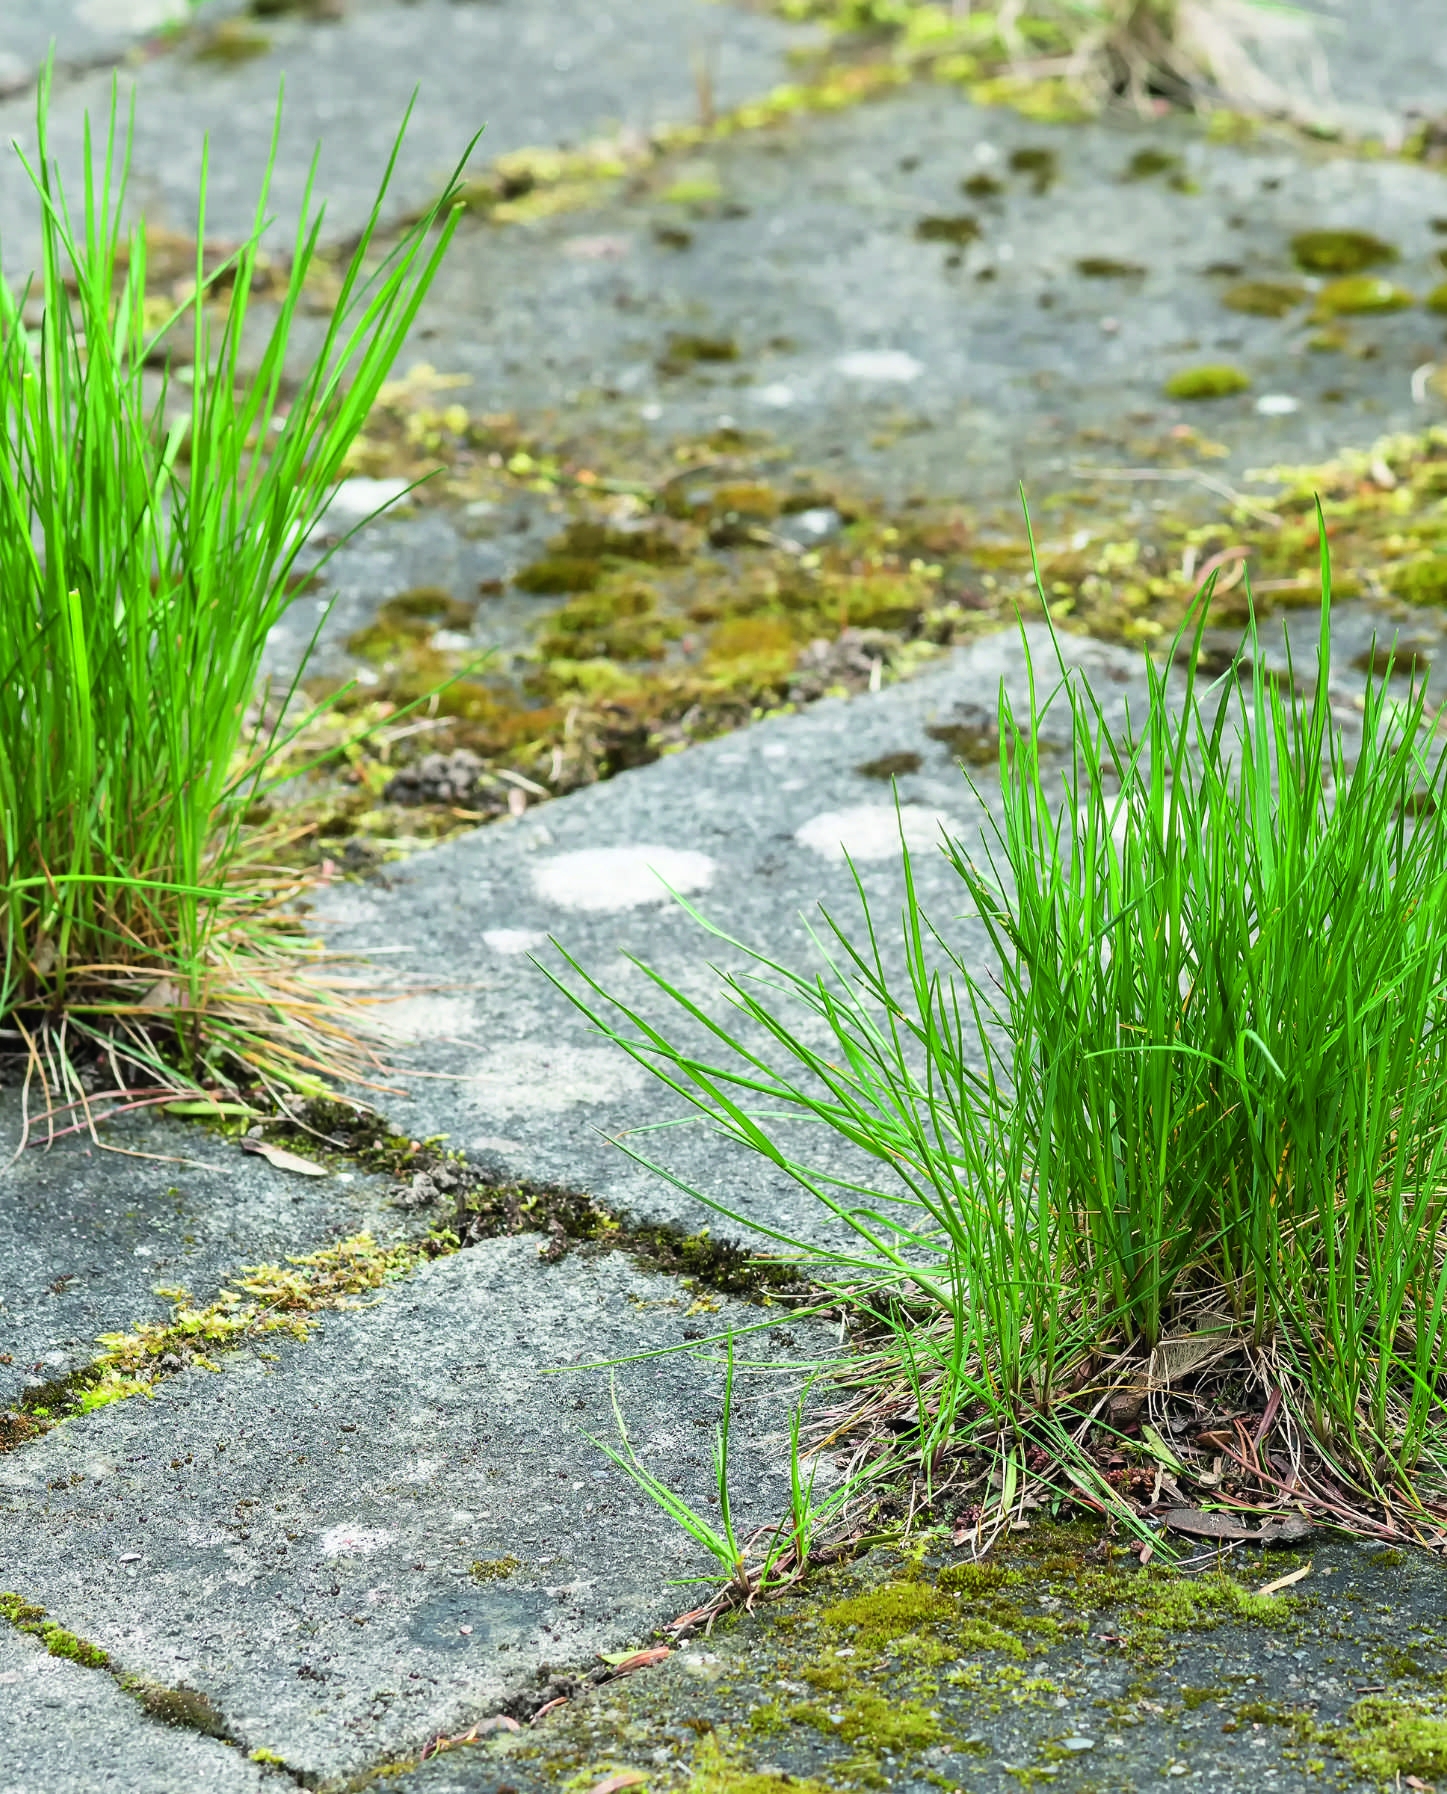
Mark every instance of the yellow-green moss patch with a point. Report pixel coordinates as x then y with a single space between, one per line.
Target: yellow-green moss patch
25 1616
1264 298
1360 293
1339 251
1387 1738
1213 381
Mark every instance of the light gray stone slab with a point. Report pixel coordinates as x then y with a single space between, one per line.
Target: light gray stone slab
529 74
86 1234
293 1538
68 1730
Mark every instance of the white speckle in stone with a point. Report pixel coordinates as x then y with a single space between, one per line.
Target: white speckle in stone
887 366
430 1018
535 1078
347 1540
777 395
1277 404
776 750
872 831
356 499
343 906
513 940
494 1143
613 878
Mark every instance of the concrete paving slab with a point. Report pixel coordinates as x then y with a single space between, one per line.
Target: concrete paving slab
750 828
86 1235
544 75
84 34
1039 342
1235 1708
68 1730
390 1530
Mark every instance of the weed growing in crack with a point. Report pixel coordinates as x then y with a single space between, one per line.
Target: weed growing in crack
151 515
1187 1132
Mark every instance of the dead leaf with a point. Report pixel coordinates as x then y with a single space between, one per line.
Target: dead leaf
1204 1523
1281 1582
1290 1531
1180 1354
1412 1782
1200 1523
549 1707
625 1778
283 1160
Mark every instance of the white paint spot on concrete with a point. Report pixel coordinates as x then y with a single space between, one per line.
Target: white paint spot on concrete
131 15
536 1078
430 1018
884 366
1277 404
614 878
348 1540
494 1143
872 831
778 395
357 498
513 940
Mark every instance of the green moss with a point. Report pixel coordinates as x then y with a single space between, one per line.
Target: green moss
1104 267
1422 581
25 1616
1360 293
231 42
1040 163
714 1772
974 745
1146 163
1436 300
496 1569
411 616
621 622
1264 298
1213 381
981 186
957 230
1193 1698
878 1721
973 1577
889 1612
1339 251
559 573
890 766
684 351
1387 1738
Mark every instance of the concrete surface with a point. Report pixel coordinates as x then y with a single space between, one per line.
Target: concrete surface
294 1539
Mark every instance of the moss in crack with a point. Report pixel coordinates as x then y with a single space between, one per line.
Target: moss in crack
185 1708
260 1300
25 1616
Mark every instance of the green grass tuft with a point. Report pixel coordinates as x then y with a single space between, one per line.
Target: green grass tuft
151 517
1200 1084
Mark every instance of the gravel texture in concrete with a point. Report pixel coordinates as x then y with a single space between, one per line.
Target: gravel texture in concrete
86 1234
352 1544
64 1727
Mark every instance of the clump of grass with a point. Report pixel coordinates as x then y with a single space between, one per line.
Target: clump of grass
1200 1089
149 531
